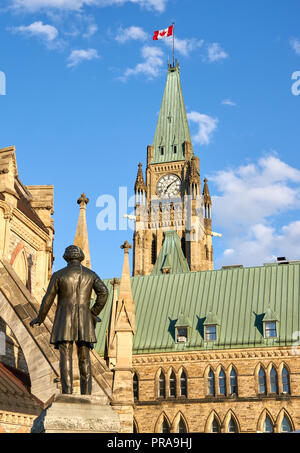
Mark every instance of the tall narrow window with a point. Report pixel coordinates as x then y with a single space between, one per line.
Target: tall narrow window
285 425
273 381
181 426
183 245
135 387
183 384
165 427
285 380
232 426
262 382
172 384
215 426
153 249
175 149
233 382
222 383
162 385
267 427
211 383
162 150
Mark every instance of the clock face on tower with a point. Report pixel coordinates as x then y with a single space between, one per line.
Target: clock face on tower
168 186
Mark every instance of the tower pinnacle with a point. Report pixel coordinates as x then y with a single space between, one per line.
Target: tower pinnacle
81 236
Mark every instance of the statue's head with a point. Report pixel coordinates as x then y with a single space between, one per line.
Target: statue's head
73 253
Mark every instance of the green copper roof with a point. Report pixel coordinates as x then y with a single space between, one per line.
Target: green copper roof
270 315
172 126
211 319
171 256
239 298
183 321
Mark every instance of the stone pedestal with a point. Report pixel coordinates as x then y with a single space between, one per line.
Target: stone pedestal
77 414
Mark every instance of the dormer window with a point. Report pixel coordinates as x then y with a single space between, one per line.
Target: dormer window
182 329
210 332
270 321
175 149
211 324
162 150
270 329
182 334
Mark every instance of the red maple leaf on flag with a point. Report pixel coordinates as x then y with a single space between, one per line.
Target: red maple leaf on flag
162 33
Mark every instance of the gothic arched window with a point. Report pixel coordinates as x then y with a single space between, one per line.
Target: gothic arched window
165 428
211 383
285 425
262 381
273 381
215 426
285 380
172 384
267 426
181 426
232 426
183 384
135 386
222 382
233 382
162 385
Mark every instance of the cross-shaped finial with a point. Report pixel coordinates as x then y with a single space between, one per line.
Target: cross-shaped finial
115 282
83 200
126 246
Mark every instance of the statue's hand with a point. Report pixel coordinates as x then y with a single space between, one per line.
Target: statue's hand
35 321
95 319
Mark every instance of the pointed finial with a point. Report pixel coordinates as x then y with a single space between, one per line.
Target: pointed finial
126 246
115 282
83 200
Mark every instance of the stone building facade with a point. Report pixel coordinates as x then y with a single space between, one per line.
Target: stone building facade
214 350
181 347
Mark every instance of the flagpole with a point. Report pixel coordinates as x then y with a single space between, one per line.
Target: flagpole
173 23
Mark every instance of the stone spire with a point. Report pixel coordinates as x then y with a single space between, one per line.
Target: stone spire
124 328
172 139
206 194
140 187
81 236
140 182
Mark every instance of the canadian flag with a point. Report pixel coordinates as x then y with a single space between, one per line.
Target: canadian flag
159 34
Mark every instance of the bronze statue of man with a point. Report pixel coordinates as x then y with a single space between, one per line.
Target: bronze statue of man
74 320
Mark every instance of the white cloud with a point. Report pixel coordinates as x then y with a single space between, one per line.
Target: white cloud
206 126
215 52
249 211
91 30
44 31
150 67
77 5
131 33
184 46
77 56
228 102
295 43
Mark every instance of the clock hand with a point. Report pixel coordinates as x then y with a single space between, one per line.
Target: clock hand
173 182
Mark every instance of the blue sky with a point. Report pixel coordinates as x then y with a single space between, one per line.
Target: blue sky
84 83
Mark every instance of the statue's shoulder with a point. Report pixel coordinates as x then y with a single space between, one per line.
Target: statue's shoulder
89 272
59 273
